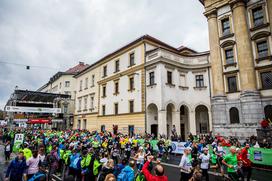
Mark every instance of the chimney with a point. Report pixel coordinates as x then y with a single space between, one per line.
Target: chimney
81 63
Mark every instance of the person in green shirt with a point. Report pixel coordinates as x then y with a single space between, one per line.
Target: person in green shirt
231 162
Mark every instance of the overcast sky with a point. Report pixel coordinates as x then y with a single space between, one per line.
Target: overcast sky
59 33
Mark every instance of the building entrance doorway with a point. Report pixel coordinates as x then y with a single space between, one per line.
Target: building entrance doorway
154 129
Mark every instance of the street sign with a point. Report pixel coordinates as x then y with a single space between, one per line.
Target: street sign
32 109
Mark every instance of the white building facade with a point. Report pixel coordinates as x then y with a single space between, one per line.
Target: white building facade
177 93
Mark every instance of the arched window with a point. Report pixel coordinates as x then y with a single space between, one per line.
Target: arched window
234 115
268 112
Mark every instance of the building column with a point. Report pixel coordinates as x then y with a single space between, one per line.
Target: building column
162 123
210 120
269 7
215 55
244 49
176 121
192 122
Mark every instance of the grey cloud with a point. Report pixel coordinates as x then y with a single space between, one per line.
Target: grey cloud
59 33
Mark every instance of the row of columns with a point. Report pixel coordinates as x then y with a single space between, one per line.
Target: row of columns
162 121
243 43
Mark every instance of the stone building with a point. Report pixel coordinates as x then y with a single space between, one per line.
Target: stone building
64 83
178 91
116 90
240 54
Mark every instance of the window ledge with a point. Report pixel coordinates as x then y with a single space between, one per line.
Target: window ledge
232 92
184 87
92 86
254 28
85 88
170 85
151 85
104 76
116 71
91 109
263 89
230 65
84 110
103 96
131 65
116 93
200 88
263 58
78 110
226 36
131 90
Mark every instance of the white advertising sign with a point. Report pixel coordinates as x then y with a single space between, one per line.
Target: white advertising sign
178 147
32 109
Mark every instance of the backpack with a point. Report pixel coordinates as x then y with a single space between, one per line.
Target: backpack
37 176
74 162
122 176
140 177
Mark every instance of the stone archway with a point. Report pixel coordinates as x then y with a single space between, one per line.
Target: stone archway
202 119
184 122
152 119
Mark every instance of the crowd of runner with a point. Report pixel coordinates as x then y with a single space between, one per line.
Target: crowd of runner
82 155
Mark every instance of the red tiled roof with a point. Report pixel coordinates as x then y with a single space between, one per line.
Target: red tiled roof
78 68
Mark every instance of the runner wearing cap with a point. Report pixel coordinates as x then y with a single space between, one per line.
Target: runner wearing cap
205 159
185 165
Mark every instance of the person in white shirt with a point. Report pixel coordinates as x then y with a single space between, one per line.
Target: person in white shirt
185 165
205 161
7 150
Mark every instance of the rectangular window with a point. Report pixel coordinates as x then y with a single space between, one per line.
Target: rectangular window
229 56
151 78
86 82
92 102
105 71
169 77
262 49
232 84
131 59
67 83
103 110
60 85
84 124
80 85
116 108
131 106
93 78
116 87
85 103
182 80
266 78
131 83
258 16
199 81
104 91
117 67
79 104
225 26
65 109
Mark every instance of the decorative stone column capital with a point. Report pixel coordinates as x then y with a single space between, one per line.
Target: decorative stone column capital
211 13
236 3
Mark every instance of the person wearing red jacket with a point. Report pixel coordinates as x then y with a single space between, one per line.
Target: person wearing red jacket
159 171
246 163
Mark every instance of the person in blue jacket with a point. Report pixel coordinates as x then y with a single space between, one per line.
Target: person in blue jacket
17 168
127 174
